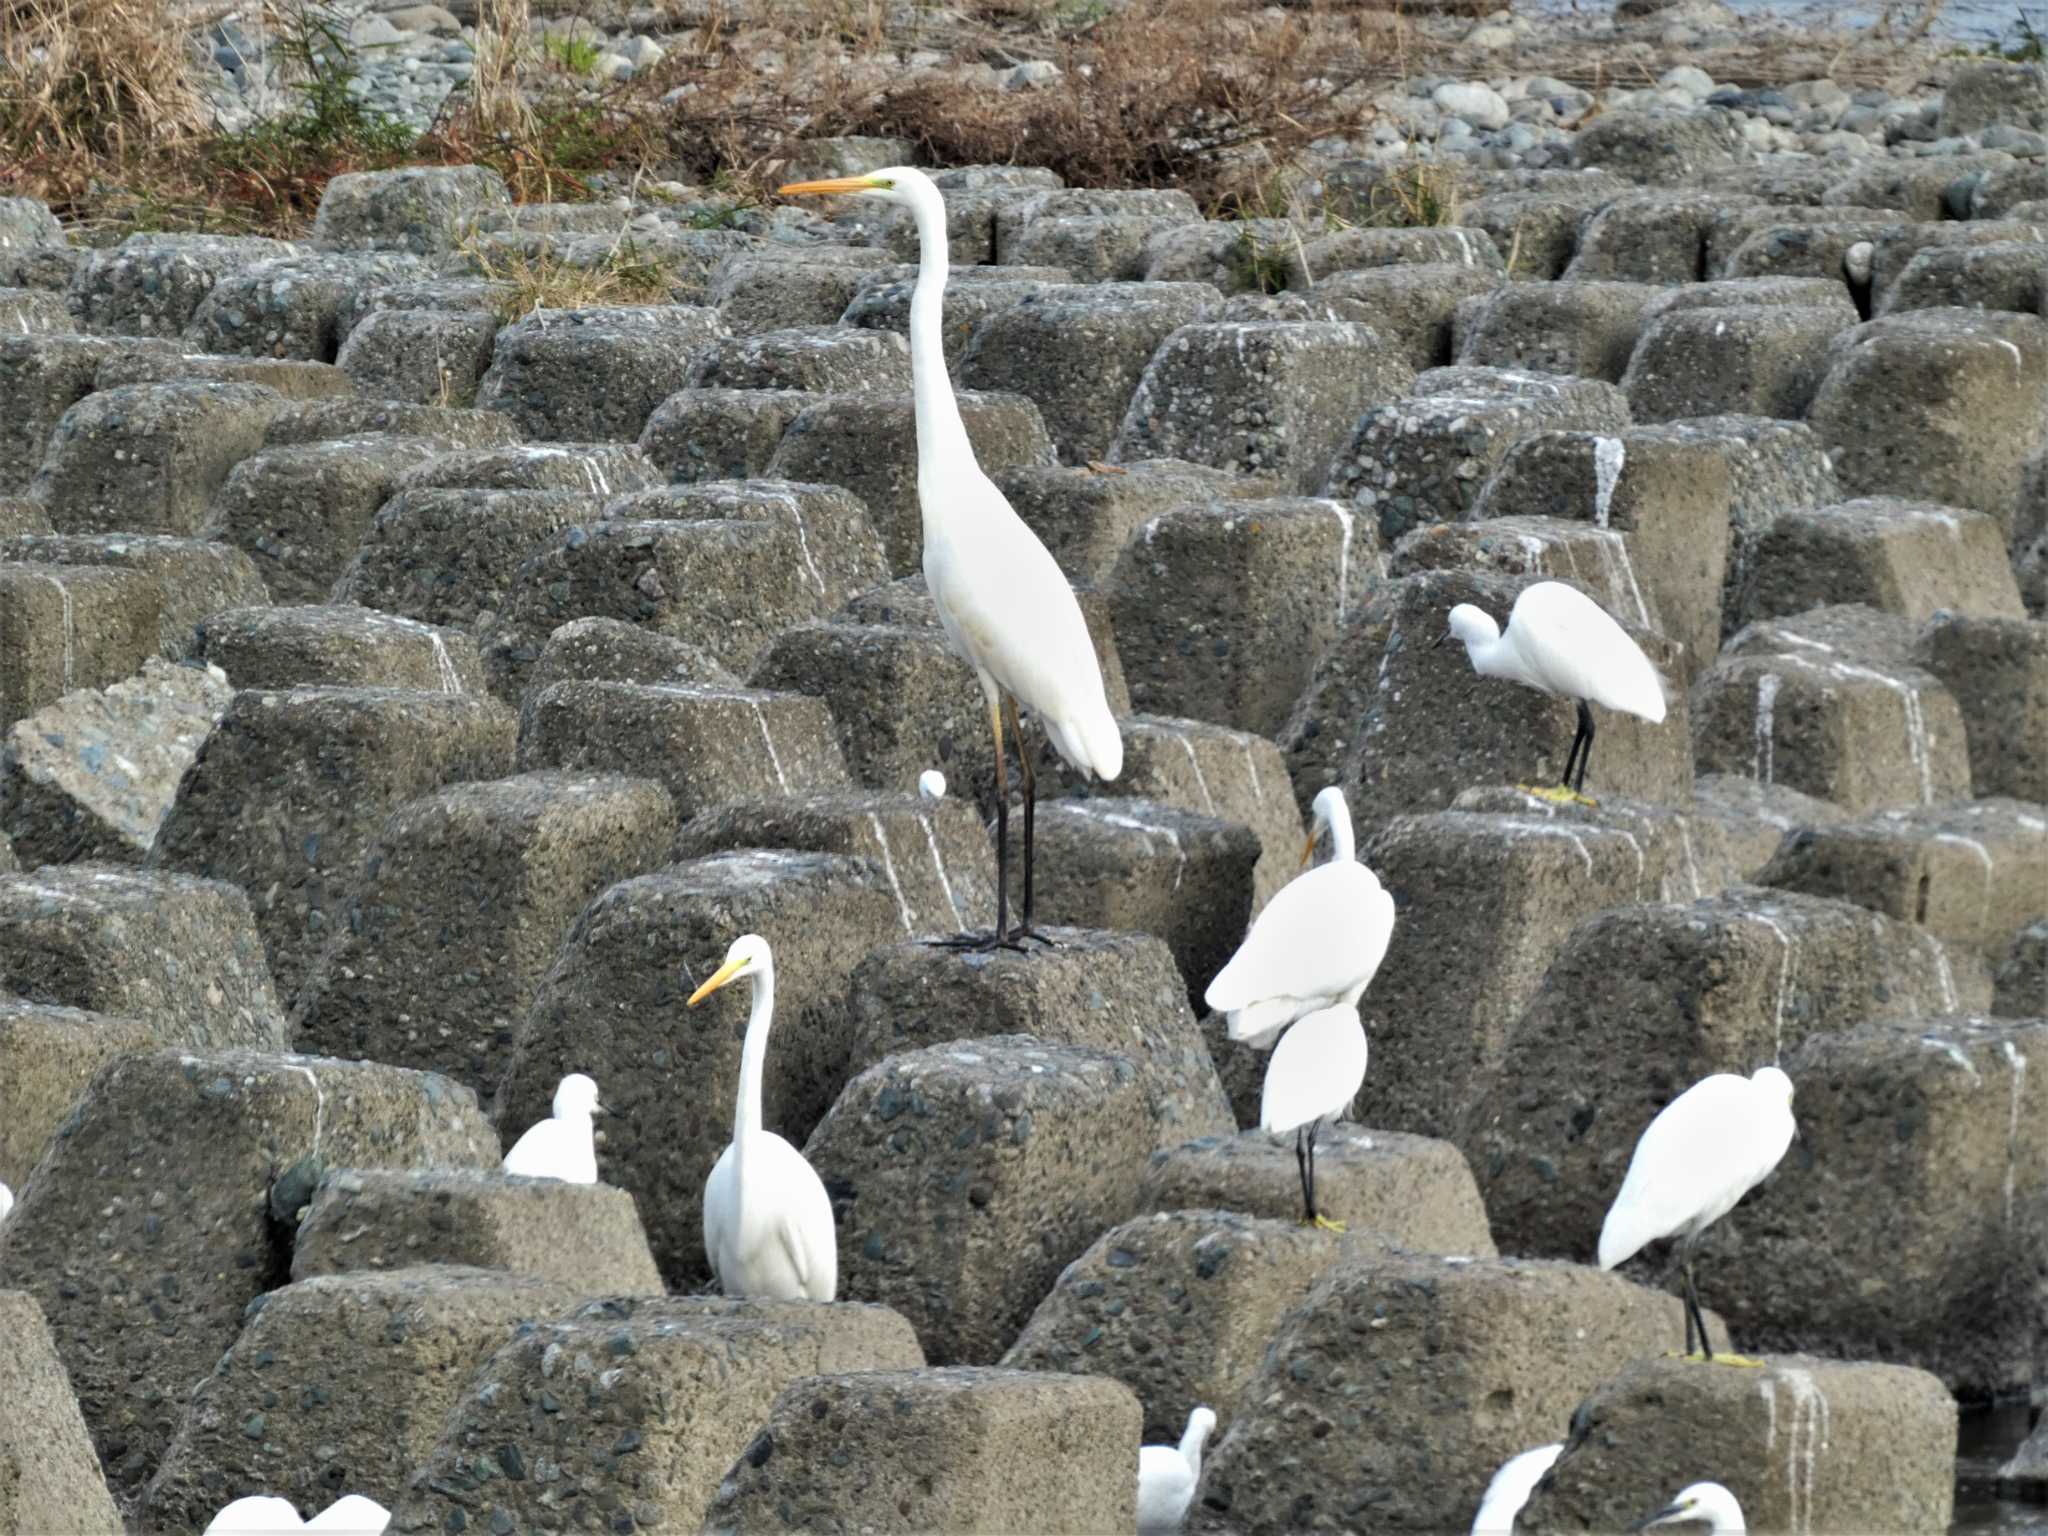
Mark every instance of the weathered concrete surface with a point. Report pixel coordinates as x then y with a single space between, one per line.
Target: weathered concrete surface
48 1055
49 1478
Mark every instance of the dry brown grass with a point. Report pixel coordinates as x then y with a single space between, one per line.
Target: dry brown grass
102 78
533 282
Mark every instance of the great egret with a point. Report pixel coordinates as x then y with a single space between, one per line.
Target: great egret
1707 1503
1510 1490
1560 641
931 785
256 1515
1001 598
564 1147
1312 1076
1318 942
1706 1149
1167 1475
351 1515
767 1219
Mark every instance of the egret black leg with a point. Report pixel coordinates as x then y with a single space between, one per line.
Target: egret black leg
1572 757
1024 930
1586 735
1308 1195
997 938
1694 1317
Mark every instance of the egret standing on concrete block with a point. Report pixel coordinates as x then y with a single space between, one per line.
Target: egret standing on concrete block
1004 603
1706 1149
1559 641
564 1147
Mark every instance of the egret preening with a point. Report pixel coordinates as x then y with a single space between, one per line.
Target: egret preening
351 1515
1002 599
564 1147
1707 1504
1559 641
1706 1149
1510 1490
256 1515
767 1219
1167 1475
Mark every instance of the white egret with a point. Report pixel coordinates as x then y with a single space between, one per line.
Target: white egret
351 1515
564 1147
1167 1475
256 1515
1004 604
1313 1076
1708 1504
1559 641
1318 942
1510 1490
1706 1149
767 1219
931 785
6 1201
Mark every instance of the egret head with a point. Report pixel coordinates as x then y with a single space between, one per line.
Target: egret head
576 1098
1772 1079
1324 810
891 184
1474 626
1201 1424
1704 1502
748 957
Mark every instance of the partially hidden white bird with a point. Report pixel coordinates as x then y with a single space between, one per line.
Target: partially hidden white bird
1510 1490
1703 1152
1559 641
1002 599
256 1515
353 1514
6 1201
1704 1503
768 1224
1167 1475
931 785
565 1146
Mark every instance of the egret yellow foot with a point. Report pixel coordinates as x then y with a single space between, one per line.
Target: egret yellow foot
1557 794
1744 1362
1327 1225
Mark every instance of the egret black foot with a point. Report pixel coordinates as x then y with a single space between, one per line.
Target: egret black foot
1021 933
977 943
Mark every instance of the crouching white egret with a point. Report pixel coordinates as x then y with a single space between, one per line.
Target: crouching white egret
767 1219
1167 1475
1706 1504
565 1146
1559 641
1004 604
351 1515
1510 1490
1706 1149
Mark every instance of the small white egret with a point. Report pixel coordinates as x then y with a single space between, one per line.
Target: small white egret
931 785
1706 1149
1559 641
1313 1076
1002 599
6 1201
767 1220
1167 1475
564 1147
1318 942
256 1515
1510 1490
351 1515
1707 1504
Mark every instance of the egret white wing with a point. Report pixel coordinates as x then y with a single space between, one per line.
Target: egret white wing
1315 1070
1510 1490
1705 1150
1323 934
1575 647
1166 1486
542 1153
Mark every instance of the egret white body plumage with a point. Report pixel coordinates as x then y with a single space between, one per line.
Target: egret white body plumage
1559 641
256 1515
1705 1150
1167 1475
1707 1504
931 785
565 1146
768 1224
1510 1490
351 1515
1318 943
1004 603
6 1201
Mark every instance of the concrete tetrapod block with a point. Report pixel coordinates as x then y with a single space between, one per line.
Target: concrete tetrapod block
613 1006
882 302
1393 1391
1581 327
613 651
1112 991
42 377
685 1382
602 469
289 306
1409 305
1997 671
769 290
339 646
464 899
967 1175
1910 558
49 1478
421 356
959 1449
340 1382
152 284
172 1194
1086 515
1643 1001
193 577
1760 360
283 376
936 858
588 375
179 954
291 787
2020 981
426 209
720 434
1833 1447
825 359
587 1236
48 1055
64 627
1649 237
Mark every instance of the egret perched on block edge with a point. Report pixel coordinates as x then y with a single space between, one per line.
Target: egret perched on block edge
1002 600
1560 641
1706 1149
1167 1475
1510 1490
1706 1503
564 1147
767 1219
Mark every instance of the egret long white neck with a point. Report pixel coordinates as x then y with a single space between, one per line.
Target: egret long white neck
941 435
1191 1446
746 1116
